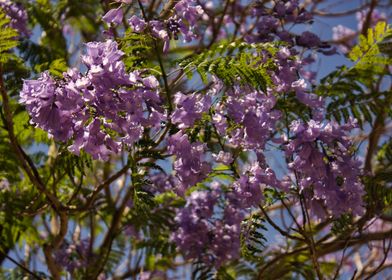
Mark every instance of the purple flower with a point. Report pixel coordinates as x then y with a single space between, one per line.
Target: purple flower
308 39
42 99
137 24
182 22
267 24
17 14
253 112
94 141
310 99
189 165
4 185
189 108
113 16
158 30
328 174
201 235
187 11
73 256
97 110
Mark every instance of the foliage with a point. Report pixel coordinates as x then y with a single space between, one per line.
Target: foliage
367 53
232 62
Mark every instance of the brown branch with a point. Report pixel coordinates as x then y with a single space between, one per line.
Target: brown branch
368 20
106 245
323 13
51 263
312 247
322 250
381 264
277 228
215 29
167 9
100 187
339 244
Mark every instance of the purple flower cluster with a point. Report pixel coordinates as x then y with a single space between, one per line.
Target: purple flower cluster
326 171
190 164
17 15
270 24
209 226
182 22
102 111
246 118
189 108
248 189
205 236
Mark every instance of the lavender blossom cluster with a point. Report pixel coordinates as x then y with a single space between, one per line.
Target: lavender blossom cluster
102 111
17 14
202 235
183 21
328 175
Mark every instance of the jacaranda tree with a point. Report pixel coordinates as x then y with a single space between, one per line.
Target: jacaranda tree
195 139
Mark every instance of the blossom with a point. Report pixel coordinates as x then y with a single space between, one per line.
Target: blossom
182 22
94 109
323 163
186 10
137 24
202 236
253 111
189 108
309 39
113 16
17 14
189 165
43 100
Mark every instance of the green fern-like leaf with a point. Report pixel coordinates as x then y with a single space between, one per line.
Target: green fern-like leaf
201 271
379 186
252 237
348 95
7 38
233 63
138 49
367 53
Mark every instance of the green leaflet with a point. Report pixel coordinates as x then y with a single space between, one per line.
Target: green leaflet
252 238
367 53
7 38
233 63
349 92
138 49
